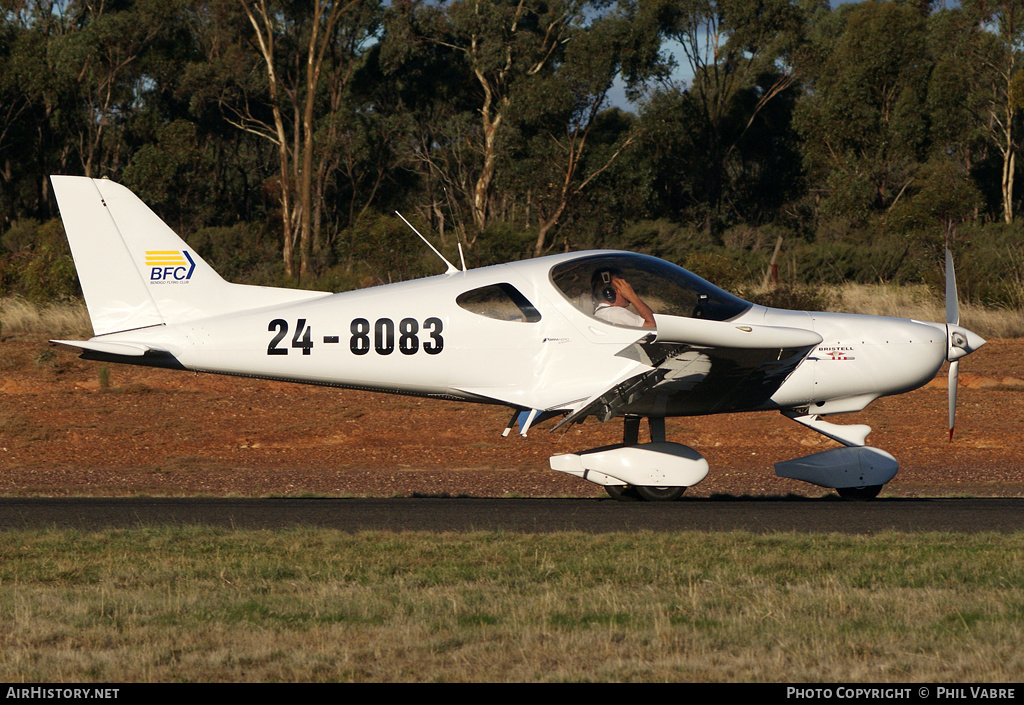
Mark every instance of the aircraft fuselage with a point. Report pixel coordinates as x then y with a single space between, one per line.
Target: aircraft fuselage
413 338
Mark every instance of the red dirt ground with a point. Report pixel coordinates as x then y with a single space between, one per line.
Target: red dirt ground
159 432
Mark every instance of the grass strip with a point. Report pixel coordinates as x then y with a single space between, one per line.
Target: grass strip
199 604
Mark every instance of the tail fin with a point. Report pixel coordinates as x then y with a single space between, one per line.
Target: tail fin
135 271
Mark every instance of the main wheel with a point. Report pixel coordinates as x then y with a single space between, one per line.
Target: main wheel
660 494
859 493
622 493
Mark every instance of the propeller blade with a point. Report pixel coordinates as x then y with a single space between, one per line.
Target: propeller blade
954 376
952 319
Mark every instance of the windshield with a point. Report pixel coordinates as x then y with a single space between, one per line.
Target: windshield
664 287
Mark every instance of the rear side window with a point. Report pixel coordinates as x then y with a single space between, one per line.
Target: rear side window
502 302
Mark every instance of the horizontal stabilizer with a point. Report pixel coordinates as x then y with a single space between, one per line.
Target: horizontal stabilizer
126 349
724 334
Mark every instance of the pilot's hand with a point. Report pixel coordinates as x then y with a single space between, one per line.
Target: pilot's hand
623 288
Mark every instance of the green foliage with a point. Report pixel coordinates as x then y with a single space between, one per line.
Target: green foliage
664 238
723 268
159 169
36 263
989 265
865 125
244 252
940 198
502 242
837 262
380 249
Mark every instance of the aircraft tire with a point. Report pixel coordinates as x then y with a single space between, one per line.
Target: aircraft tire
859 493
660 494
622 493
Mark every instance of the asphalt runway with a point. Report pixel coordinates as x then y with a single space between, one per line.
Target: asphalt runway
976 515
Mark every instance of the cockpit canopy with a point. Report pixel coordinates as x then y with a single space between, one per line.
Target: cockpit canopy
665 287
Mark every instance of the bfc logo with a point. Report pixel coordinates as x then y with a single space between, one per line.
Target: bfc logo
169 266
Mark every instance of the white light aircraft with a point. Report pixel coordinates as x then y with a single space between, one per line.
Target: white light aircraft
546 337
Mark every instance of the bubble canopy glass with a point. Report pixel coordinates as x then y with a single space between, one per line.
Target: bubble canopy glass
668 289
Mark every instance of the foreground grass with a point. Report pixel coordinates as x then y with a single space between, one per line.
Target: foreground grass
315 605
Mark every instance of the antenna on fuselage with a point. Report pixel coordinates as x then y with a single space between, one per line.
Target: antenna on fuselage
458 240
451 267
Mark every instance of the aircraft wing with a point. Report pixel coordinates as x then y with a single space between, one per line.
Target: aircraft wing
702 367
725 334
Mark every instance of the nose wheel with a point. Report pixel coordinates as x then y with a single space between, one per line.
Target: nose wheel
859 493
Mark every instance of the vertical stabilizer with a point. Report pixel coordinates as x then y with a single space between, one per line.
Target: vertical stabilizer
135 271
115 293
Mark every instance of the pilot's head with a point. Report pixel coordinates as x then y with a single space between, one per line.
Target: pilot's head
601 285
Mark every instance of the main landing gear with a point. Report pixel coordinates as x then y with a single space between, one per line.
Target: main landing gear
658 471
645 493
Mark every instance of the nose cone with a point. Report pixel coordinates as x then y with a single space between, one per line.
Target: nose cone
962 342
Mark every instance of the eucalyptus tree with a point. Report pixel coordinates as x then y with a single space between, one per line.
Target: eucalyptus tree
995 36
16 109
561 141
283 78
508 133
506 46
741 58
39 109
75 77
864 120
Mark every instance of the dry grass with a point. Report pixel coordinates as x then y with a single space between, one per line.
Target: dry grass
920 303
68 319
315 605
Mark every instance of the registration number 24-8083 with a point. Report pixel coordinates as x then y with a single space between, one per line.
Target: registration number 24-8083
383 336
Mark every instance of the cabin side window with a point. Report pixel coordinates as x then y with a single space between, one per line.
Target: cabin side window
502 302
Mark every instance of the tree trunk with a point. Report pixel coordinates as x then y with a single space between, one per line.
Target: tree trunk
306 175
1009 164
482 190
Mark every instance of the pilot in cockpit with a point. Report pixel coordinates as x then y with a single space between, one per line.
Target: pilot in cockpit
612 297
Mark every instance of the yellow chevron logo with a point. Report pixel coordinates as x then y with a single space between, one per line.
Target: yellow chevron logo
165 258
